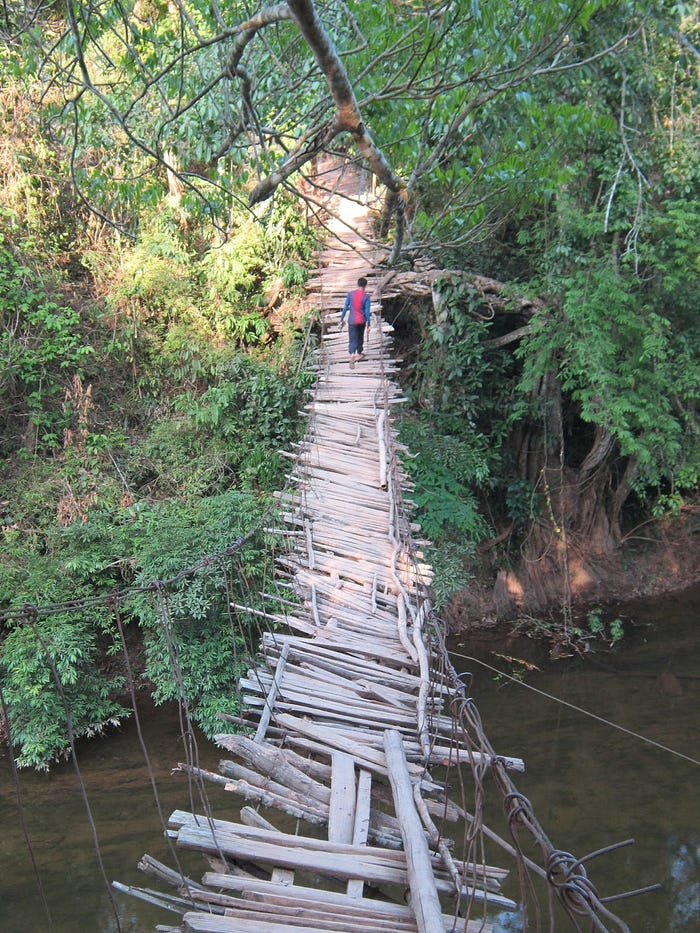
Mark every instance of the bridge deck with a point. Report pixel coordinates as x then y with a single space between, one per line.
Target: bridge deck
352 709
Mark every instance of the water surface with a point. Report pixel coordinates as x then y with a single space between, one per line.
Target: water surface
592 785
127 823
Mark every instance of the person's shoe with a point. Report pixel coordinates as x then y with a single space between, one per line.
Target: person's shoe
360 356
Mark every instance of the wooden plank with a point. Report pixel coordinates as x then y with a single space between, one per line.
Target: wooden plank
320 653
207 923
346 694
332 739
366 714
270 703
231 833
246 911
307 670
303 896
329 656
341 817
355 886
362 809
341 865
334 860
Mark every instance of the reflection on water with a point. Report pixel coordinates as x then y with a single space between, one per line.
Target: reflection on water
590 786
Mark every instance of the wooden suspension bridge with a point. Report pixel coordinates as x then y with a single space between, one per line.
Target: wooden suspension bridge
362 725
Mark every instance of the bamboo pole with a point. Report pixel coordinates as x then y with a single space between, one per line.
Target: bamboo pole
272 696
423 897
382 450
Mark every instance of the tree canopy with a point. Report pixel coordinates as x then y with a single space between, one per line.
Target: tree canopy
446 102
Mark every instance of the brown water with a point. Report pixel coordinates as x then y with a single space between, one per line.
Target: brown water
590 786
127 824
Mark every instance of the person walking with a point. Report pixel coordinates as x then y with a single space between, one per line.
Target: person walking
357 308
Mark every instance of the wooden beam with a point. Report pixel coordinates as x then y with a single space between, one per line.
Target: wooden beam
341 817
423 898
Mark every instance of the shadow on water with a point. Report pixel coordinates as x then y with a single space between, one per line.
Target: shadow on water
592 785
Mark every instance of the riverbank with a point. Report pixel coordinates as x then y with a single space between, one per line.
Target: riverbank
661 559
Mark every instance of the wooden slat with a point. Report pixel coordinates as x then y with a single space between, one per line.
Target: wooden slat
355 886
341 818
290 851
270 700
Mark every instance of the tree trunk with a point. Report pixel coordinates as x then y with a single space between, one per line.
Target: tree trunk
578 521
348 117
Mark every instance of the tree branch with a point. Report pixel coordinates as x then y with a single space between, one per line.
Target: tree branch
348 117
421 284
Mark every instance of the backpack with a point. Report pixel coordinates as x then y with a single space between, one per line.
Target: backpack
358 315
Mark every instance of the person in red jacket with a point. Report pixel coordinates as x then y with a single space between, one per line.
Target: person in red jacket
357 308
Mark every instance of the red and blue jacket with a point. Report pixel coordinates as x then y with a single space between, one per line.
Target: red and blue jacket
357 303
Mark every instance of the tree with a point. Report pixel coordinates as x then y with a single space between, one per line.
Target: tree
544 154
600 429
205 95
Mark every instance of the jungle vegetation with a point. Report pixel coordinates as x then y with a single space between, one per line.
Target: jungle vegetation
538 171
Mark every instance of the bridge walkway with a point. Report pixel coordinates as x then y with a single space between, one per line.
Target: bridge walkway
354 702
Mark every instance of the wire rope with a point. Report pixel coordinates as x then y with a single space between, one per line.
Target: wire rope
580 709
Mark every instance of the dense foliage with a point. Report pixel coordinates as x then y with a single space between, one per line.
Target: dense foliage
152 356
148 386
584 400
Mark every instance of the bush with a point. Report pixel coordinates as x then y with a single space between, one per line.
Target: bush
447 470
59 648
192 646
42 346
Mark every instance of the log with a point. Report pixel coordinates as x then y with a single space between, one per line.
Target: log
151 866
239 773
251 817
268 798
423 898
165 901
276 764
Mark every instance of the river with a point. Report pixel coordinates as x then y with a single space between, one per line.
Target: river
590 784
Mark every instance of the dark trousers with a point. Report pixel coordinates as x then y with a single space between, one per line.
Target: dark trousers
356 337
